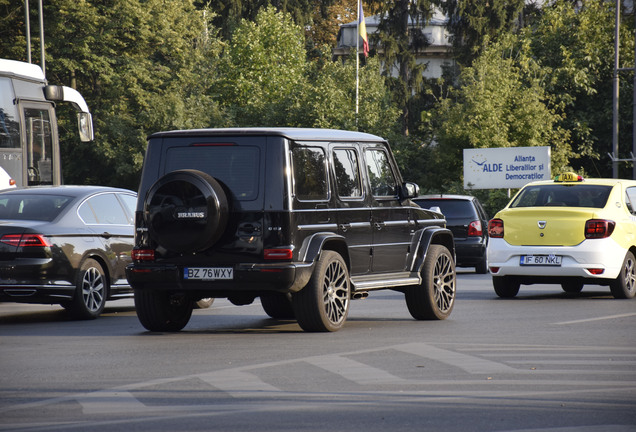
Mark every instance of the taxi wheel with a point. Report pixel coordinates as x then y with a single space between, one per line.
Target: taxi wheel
505 287
624 286
572 287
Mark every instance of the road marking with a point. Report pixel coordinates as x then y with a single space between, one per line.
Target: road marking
108 401
352 370
237 383
470 364
596 319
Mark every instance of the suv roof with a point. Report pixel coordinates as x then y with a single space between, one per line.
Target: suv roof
296 134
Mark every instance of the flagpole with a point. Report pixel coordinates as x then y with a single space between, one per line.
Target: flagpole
357 60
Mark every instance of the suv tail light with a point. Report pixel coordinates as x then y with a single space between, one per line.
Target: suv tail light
496 228
599 228
474 229
278 254
143 254
25 240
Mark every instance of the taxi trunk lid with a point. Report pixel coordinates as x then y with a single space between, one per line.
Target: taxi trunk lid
546 226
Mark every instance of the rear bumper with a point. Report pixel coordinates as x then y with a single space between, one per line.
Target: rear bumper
606 254
470 251
290 277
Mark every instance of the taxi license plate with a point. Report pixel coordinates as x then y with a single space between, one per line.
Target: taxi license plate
208 273
544 260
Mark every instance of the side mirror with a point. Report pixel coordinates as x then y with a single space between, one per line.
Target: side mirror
85 125
409 190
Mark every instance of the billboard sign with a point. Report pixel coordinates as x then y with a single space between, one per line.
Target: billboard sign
505 167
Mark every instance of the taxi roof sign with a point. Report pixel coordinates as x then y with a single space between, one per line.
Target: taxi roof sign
568 177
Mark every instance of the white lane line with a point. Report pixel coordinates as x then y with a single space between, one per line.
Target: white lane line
352 370
237 383
596 319
471 364
109 401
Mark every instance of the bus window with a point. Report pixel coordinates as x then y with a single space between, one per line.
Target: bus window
9 126
39 141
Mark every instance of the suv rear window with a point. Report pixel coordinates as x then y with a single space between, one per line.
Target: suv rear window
235 166
578 195
449 207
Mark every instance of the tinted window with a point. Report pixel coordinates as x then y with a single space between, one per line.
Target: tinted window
130 202
630 199
310 173
235 166
9 126
449 207
345 164
39 141
579 195
380 174
103 209
32 207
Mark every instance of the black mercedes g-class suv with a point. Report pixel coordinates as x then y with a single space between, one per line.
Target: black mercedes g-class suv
305 219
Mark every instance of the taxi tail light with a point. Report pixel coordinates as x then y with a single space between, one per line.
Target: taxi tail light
596 271
474 229
26 240
599 228
496 228
143 254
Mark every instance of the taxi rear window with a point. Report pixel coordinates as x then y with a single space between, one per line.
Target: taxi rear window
559 195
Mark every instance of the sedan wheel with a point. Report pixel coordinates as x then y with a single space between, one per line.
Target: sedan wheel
624 286
90 293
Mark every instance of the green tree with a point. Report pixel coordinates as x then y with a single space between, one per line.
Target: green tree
263 70
473 24
575 45
142 66
501 103
399 39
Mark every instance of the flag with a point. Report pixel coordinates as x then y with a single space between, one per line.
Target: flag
362 30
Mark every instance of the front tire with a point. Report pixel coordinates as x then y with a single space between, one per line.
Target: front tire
624 286
91 291
162 311
505 287
323 305
572 287
435 297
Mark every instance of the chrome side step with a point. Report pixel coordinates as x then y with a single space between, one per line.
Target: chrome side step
367 283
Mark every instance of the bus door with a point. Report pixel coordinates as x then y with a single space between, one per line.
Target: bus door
40 155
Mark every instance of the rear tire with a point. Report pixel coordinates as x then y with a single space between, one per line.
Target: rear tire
162 311
482 267
323 305
572 287
278 306
505 287
435 297
624 286
91 291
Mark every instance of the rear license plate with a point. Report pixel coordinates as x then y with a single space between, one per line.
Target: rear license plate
543 260
208 273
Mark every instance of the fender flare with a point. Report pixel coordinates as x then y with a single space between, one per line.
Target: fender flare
423 239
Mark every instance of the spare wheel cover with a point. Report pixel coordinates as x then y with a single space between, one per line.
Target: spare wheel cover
186 211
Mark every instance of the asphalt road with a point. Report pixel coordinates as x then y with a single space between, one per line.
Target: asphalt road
544 361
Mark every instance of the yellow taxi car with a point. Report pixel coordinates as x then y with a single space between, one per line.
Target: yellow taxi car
569 231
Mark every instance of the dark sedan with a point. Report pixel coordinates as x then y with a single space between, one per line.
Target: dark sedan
468 221
66 245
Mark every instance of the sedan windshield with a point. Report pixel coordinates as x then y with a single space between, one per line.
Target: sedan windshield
32 207
571 195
